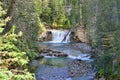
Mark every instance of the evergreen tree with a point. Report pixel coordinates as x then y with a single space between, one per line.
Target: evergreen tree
13 62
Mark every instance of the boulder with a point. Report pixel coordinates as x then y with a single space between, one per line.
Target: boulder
79 35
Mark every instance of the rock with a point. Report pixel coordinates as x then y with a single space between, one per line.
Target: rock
79 35
78 68
82 47
57 54
41 47
53 78
74 38
49 52
48 36
100 78
51 73
62 55
45 36
39 57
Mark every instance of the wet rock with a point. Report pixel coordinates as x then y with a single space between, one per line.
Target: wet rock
39 57
82 46
49 52
78 68
57 54
48 36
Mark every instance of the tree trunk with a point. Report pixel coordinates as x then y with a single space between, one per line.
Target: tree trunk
11 8
9 13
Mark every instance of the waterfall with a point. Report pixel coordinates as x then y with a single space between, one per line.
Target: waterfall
60 36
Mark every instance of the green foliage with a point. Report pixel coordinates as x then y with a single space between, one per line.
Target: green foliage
52 12
103 29
2 12
38 6
2 21
25 18
13 62
6 74
42 27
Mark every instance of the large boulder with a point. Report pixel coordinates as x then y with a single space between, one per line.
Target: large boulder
79 35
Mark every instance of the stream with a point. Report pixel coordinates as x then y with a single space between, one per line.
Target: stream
75 66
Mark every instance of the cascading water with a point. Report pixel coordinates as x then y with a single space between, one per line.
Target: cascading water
60 36
56 66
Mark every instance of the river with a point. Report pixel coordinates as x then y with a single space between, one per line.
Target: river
75 66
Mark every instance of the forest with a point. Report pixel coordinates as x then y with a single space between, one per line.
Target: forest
26 26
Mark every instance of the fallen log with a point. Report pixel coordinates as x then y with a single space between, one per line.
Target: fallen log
70 30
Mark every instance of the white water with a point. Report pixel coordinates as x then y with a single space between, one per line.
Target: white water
59 35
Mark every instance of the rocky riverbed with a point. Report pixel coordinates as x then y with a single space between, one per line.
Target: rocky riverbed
74 70
72 65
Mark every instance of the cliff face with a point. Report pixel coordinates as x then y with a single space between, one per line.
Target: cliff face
79 35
